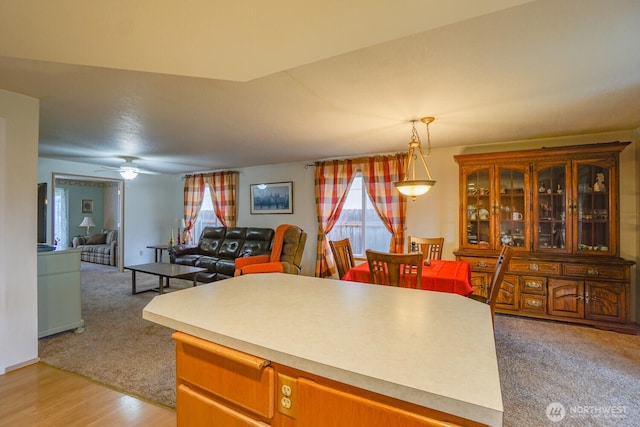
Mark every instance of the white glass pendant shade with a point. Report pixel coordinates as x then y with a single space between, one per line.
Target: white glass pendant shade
414 188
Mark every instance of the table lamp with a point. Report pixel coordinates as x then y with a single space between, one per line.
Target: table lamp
87 222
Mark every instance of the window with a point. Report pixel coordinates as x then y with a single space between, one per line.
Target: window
360 222
61 218
207 216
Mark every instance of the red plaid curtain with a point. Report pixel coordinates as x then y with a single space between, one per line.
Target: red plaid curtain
222 186
193 194
332 181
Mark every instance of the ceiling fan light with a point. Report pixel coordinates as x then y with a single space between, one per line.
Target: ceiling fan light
128 173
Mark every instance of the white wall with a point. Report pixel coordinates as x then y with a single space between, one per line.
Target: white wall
304 204
19 117
153 206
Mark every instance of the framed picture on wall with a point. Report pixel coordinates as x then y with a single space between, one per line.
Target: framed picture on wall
87 206
272 198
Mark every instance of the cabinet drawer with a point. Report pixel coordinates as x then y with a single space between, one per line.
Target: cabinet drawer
480 264
533 285
58 262
508 298
194 409
533 303
480 283
594 270
532 266
236 377
321 406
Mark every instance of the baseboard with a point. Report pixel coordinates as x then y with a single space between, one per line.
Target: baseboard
21 365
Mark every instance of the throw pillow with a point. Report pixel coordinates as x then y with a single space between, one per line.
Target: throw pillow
96 239
111 235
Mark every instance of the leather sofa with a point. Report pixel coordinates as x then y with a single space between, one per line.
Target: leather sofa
218 248
98 248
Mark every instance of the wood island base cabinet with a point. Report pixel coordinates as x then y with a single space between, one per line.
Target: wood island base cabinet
217 385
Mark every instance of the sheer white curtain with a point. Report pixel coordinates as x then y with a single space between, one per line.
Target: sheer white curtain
207 216
61 215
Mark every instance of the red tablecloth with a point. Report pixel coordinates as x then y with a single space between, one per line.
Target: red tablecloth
442 276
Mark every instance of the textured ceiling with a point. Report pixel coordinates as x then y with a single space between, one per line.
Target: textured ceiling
221 85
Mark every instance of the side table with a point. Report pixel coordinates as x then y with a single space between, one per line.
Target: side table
158 251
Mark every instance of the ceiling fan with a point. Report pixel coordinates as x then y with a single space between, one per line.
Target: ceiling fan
129 170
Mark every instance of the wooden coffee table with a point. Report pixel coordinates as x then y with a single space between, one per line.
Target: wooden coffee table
164 272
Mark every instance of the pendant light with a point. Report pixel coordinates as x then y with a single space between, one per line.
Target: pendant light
411 186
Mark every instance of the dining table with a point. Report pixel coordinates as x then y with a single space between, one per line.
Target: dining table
438 275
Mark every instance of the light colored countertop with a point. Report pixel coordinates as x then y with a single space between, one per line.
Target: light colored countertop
430 348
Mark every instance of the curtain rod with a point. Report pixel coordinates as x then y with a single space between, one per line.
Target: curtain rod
307 165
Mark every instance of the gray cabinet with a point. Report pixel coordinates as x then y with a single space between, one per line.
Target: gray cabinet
59 298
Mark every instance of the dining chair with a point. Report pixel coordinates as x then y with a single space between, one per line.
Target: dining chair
431 247
402 270
498 275
343 255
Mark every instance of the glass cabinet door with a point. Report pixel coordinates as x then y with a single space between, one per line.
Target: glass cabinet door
477 220
512 208
551 215
593 207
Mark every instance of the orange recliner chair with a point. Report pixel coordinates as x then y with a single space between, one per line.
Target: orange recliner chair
286 254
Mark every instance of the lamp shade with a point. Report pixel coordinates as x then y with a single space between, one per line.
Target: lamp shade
87 221
414 188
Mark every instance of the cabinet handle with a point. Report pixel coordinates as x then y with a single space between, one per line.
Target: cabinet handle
534 285
221 351
579 297
482 264
586 298
534 303
592 271
534 267
572 207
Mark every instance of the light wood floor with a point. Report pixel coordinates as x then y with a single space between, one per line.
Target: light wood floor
41 395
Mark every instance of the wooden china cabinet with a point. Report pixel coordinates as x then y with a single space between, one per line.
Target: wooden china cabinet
558 209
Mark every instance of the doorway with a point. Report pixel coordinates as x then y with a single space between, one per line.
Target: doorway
42 212
75 197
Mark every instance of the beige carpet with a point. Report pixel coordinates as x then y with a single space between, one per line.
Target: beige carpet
589 372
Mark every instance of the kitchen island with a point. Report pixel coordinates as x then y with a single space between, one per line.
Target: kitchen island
286 350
